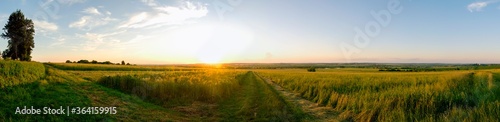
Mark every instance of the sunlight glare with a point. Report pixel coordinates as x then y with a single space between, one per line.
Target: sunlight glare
225 40
210 43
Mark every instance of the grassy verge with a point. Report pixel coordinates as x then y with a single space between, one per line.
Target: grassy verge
130 108
59 88
41 94
17 72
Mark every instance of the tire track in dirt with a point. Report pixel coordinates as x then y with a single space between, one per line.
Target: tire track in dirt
321 113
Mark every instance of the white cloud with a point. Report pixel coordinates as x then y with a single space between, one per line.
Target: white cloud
94 40
3 18
166 15
131 23
150 2
89 22
43 25
70 2
58 42
92 10
478 6
138 38
94 19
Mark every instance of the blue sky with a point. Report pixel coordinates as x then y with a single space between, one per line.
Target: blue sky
210 31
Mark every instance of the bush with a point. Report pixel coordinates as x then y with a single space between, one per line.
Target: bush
107 62
83 61
311 69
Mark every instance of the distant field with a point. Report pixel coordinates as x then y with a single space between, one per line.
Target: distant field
398 96
112 67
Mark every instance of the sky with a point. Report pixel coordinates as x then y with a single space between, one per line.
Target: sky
262 31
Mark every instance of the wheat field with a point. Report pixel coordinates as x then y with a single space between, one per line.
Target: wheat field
398 96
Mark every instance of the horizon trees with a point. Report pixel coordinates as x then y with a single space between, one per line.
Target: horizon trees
95 62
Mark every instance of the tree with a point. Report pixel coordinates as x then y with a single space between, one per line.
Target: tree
83 61
94 62
20 32
128 63
312 69
123 62
107 62
68 61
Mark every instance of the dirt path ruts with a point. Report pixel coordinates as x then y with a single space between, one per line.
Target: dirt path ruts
321 113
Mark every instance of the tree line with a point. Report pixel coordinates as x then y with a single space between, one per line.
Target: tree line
96 62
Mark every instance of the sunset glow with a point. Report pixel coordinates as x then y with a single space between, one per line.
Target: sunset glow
178 32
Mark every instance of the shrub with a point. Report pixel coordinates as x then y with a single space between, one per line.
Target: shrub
107 62
83 61
312 69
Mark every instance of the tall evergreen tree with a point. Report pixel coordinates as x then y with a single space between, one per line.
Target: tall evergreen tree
20 32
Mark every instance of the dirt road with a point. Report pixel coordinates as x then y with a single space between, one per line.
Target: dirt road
321 113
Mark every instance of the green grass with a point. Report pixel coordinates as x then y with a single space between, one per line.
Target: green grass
227 91
257 101
130 108
59 88
386 96
41 94
17 72
234 95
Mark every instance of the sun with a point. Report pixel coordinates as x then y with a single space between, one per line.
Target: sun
210 43
225 41
210 59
